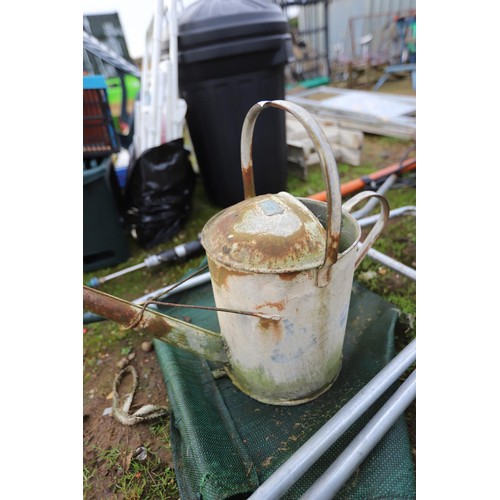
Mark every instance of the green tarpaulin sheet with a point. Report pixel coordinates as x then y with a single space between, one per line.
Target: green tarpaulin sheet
225 444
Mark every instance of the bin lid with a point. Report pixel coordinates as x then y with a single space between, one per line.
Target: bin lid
271 233
208 22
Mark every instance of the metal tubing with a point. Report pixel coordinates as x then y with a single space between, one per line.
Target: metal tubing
89 317
373 202
293 469
121 273
191 283
172 78
94 46
392 263
396 212
385 259
344 466
152 132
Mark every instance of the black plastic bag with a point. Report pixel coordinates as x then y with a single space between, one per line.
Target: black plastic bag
158 193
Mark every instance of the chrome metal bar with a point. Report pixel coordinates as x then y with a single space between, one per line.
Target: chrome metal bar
190 283
373 202
395 212
121 273
349 460
392 263
292 470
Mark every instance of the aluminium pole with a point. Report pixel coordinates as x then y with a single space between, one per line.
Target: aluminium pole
330 482
313 449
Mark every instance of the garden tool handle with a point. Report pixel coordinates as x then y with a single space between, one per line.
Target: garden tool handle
328 166
376 229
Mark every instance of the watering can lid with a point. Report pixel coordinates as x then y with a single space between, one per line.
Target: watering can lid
272 233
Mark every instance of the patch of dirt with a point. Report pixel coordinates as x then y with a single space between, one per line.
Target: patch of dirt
104 434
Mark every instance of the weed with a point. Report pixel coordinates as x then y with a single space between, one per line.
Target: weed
125 351
138 480
161 430
109 456
87 475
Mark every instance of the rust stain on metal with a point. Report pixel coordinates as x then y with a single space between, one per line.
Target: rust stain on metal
171 330
289 276
220 274
270 233
332 248
259 249
277 305
274 328
248 182
122 312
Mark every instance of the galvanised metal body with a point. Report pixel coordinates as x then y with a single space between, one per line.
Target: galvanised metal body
289 263
288 257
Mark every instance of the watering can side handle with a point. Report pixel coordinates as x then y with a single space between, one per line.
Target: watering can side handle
328 166
376 229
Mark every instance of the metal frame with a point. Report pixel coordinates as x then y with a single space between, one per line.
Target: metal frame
309 8
160 112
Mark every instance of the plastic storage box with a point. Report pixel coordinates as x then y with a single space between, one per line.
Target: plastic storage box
105 241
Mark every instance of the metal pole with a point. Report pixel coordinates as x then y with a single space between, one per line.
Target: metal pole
391 263
371 204
155 69
144 103
120 273
396 212
341 470
381 257
327 37
292 470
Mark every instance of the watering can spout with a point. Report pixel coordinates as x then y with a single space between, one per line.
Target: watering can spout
175 332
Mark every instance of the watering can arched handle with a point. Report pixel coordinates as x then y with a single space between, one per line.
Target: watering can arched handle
376 229
328 166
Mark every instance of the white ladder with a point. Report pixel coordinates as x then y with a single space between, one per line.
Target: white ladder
159 114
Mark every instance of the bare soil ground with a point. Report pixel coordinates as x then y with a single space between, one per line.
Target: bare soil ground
103 434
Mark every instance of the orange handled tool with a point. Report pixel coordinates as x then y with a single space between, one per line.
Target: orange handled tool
350 187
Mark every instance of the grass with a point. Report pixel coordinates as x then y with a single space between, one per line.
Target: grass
87 476
134 479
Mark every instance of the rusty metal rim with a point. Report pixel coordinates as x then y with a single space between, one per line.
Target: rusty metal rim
215 238
259 270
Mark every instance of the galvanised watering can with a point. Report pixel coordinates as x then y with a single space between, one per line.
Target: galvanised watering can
291 262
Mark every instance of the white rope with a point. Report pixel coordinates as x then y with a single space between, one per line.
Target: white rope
144 413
